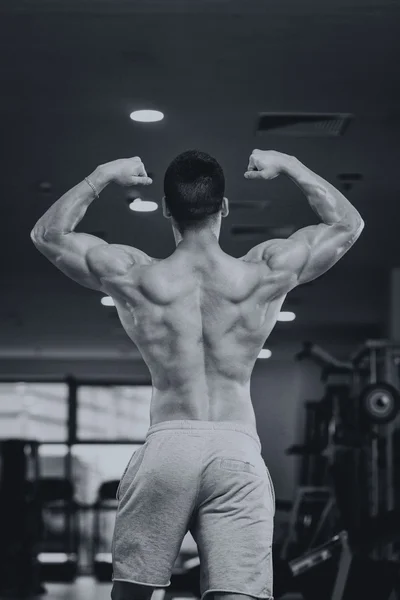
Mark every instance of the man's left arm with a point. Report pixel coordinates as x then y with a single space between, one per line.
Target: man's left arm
75 253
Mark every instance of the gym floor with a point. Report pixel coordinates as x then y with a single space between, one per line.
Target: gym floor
86 588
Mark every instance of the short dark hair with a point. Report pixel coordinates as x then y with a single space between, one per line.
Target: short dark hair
194 186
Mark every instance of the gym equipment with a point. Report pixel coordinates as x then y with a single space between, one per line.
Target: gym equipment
103 526
19 518
312 518
366 423
362 401
333 572
322 357
379 403
58 554
314 515
377 364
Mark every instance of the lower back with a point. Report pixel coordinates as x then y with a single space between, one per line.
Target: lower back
223 401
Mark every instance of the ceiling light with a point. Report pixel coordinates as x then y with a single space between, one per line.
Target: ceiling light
286 316
146 116
140 205
265 353
107 301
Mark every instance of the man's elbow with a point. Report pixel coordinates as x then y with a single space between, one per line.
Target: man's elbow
40 235
356 230
353 225
360 226
35 235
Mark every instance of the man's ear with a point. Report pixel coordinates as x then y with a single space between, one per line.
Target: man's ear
225 207
165 209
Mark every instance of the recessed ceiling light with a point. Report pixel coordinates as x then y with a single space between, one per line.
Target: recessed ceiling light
286 315
265 353
140 205
107 301
147 116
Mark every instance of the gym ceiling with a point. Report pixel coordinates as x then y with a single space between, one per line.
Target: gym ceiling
73 70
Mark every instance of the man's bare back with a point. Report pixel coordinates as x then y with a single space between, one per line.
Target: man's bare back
199 323
200 317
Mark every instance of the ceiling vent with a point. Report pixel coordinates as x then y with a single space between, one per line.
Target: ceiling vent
303 124
248 204
347 180
350 177
250 230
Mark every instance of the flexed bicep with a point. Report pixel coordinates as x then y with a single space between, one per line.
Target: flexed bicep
312 251
69 253
327 244
81 256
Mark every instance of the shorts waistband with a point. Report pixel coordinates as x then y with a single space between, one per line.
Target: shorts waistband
249 430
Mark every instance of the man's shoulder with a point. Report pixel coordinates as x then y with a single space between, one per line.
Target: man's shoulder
138 257
261 252
109 260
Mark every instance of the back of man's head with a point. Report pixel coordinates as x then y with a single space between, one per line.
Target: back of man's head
194 186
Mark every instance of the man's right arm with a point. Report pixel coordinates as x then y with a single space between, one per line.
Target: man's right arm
310 251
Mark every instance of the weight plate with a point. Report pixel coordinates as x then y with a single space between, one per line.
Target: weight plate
380 403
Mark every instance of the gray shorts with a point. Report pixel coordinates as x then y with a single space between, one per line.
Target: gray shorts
210 479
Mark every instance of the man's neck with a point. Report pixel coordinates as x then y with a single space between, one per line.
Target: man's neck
198 240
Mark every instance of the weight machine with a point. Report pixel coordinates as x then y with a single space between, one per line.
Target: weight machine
363 418
377 385
354 431
314 513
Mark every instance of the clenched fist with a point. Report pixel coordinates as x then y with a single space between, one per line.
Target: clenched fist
128 171
266 164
